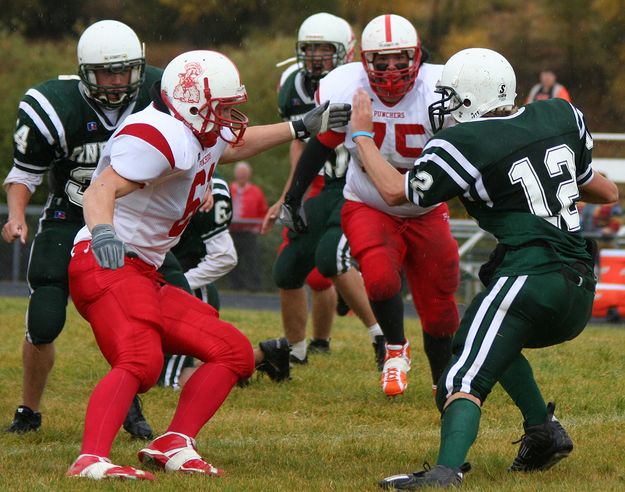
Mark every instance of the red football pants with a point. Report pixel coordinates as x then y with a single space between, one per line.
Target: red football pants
134 319
422 246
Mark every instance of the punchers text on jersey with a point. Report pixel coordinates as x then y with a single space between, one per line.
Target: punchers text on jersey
517 186
61 132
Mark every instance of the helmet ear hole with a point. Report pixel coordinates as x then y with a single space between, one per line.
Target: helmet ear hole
194 110
466 102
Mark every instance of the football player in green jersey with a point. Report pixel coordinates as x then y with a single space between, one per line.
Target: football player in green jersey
324 42
519 173
62 125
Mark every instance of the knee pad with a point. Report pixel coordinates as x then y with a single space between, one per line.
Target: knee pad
146 366
317 282
382 280
288 272
46 314
439 316
238 354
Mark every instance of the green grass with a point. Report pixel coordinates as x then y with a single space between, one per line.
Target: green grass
329 428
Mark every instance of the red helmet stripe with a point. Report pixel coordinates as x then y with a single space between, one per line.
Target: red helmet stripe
152 136
387 28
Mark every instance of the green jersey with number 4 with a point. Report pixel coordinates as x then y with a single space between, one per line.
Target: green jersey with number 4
518 176
205 225
294 101
61 132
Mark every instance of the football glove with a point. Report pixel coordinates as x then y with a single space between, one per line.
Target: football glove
107 248
292 216
322 119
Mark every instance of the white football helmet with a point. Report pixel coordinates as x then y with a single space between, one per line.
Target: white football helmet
390 34
324 28
113 46
474 82
200 89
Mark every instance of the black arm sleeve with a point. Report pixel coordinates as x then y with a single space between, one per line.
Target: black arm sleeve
310 163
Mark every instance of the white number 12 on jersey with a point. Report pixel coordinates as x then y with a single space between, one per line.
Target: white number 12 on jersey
559 161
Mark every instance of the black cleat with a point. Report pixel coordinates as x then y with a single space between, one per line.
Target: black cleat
276 362
341 306
25 420
296 361
135 423
319 346
379 347
543 445
439 476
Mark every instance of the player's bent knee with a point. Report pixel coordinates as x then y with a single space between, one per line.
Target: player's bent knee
443 401
287 279
234 351
146 367
381 286
440 318
46 314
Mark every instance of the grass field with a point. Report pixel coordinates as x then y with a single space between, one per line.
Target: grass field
330 428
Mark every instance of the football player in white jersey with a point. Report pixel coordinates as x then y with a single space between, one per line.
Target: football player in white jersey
386 240
318 258
153 175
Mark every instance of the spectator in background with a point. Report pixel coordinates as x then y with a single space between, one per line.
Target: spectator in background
249 207
547 88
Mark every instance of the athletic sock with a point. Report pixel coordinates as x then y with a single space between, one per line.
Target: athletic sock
106 411
201 397
390 316
374 331
438 351
459 426
298 349
519 383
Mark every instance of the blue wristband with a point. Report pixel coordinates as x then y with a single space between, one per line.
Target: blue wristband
361 134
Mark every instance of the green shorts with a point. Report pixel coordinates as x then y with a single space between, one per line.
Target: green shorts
513 313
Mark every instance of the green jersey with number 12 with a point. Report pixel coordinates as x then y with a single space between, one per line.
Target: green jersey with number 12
518 176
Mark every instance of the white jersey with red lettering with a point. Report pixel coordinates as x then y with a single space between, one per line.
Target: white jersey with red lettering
160 152
401 130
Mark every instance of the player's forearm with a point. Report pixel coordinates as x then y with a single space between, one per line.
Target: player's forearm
18 196
388 181
311 161
257 139
295 152
599 190
98 204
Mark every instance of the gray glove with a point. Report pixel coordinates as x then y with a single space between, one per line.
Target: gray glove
292 216
322 119
107 248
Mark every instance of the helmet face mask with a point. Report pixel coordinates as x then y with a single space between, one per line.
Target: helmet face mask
473 83
317 36
383 37
112 47
318 59
201 88
449 102
395 83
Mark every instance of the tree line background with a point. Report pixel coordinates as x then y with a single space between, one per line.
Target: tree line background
581 40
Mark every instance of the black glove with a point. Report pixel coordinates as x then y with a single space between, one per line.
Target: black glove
292 216
107 248
322 119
